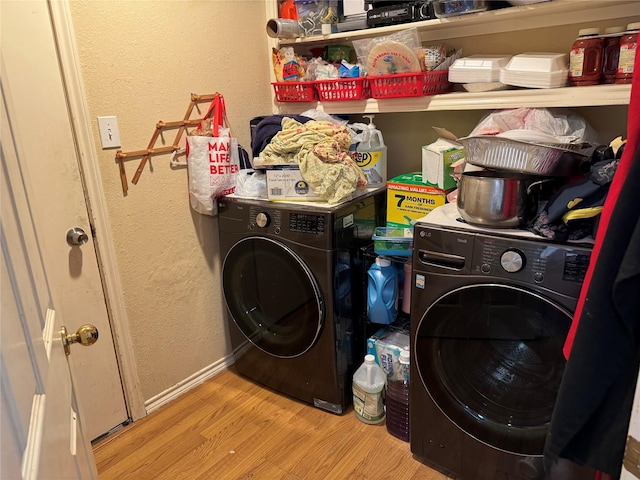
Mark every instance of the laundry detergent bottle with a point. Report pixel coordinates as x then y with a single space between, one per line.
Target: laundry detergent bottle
371 155
382 292
369 382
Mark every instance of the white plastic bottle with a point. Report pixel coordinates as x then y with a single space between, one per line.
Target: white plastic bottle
368 386
371 155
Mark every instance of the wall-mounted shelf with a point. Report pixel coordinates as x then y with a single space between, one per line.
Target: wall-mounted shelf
597 95
528 19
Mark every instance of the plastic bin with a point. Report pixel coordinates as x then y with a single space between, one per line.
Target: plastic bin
397 86
295 91
436 82
414 84
343 89
396 242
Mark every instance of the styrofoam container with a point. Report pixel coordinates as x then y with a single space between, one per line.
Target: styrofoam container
538 62
536 70
535 80
478 68
484 87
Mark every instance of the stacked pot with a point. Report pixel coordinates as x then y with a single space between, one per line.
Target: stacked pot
505 193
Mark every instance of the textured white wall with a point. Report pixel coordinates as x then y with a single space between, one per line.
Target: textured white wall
140 61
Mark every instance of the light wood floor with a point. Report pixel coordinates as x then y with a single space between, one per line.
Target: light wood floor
232 428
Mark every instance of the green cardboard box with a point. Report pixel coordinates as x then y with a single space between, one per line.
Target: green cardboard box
409 199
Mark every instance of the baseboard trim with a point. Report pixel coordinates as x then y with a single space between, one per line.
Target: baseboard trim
187 384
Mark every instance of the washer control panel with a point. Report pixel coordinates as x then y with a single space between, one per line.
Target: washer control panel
494 257
556 266
512 260
263 219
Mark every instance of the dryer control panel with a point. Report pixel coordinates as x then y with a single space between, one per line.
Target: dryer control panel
307 223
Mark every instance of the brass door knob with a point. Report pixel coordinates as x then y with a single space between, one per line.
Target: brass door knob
85 335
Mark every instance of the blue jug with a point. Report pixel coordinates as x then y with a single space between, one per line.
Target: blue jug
382 292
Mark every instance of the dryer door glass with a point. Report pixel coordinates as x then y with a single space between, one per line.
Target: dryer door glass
272 296
491 358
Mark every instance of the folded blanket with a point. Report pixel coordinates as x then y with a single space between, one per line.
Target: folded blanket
321 150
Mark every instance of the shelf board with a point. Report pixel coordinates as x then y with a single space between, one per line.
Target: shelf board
522 17
597 95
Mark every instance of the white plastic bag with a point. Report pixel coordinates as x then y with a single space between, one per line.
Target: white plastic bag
251 183
563 126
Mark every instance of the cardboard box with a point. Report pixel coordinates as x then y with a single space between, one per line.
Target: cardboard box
288 184
409 199
436 162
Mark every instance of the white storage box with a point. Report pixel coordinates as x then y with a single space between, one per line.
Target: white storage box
478 68
288 184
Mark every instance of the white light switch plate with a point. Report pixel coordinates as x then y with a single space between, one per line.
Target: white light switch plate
109 133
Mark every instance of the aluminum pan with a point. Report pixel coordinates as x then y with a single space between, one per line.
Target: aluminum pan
523 157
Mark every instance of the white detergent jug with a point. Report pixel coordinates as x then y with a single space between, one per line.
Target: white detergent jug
368 387
371 154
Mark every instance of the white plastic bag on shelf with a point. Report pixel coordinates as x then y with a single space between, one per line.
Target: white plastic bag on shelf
537 125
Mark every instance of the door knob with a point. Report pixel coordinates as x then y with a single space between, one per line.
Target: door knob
85 335
77 237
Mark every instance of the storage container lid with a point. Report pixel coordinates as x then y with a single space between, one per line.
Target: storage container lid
477 68
614 30
588 32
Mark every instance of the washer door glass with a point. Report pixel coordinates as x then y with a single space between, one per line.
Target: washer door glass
491 358
272 296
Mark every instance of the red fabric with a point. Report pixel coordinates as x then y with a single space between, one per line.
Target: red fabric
633 140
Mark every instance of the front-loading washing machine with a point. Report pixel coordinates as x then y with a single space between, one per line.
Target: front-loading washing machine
490 311
291 280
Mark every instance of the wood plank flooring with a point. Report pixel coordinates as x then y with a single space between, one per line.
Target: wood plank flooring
232 428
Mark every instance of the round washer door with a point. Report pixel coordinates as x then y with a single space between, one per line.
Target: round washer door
490 357
272 296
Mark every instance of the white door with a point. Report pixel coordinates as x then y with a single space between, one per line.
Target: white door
42 435
35 95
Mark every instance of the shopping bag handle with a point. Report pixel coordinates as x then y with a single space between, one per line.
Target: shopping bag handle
218 112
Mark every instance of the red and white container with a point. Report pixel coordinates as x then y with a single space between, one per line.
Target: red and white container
628 44
585 58
611 53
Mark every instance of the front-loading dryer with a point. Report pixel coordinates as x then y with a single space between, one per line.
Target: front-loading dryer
490 311
291 281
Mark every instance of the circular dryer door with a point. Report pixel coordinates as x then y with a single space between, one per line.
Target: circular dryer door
490 357
272 296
